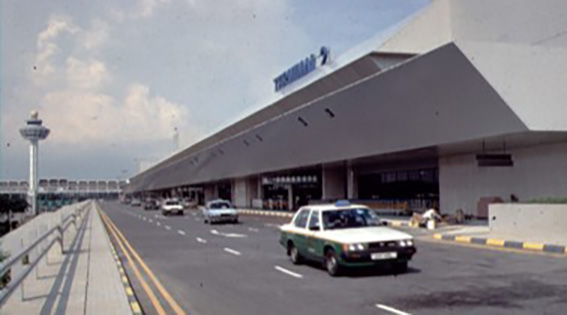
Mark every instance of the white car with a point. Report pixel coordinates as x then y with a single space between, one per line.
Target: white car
344 236
220 211
171 206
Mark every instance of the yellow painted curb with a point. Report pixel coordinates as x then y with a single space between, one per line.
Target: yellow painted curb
129 291
437 236
495 242
533 246
135 307
463 239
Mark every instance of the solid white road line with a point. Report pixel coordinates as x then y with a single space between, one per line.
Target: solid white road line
287 272
232 251
181 232
200 240
167 227
391 309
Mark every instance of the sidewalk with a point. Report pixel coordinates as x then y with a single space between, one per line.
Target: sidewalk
85 280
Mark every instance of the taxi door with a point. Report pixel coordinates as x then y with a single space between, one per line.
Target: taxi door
300 232
314 243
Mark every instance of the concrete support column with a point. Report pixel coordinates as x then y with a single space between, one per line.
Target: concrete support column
352 183
241 193
290 197
210 192
333 182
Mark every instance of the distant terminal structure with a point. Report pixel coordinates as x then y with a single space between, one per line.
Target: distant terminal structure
54 193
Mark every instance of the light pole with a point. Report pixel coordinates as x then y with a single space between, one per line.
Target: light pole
34 132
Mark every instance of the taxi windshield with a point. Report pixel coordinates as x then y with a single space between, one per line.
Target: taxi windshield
349 218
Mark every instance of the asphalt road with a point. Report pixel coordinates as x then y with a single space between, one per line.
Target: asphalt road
242 269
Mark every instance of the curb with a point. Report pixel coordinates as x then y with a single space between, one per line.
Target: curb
132 299
268 213
398 224
495 242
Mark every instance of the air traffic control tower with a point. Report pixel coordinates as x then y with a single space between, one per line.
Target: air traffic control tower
34 131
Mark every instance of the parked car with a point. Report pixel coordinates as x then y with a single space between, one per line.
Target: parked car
171 206
219 211
136 202
344 236
151 204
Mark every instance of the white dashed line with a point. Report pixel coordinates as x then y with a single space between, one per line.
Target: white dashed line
167 227
150 220
391 309
287 272
253 229
156 216
271 225
181 232
232 251
200 240
158 223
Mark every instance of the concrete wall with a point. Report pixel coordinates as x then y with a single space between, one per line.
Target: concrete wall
529 219
538 171
210 192
334 182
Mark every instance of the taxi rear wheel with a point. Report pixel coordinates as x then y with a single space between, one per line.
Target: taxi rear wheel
294 255
332 263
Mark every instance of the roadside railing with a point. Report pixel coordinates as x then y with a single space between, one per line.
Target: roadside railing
53 235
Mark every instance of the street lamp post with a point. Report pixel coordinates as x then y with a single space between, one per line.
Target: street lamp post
34 132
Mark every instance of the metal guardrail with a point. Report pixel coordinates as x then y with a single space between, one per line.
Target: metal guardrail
60 229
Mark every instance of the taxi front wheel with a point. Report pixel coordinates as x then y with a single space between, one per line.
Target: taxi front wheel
332 263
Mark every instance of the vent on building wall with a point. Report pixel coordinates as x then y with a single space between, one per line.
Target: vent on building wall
491 160
302 121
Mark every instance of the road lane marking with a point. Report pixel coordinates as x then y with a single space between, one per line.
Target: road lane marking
200 240
232 251
158 224
288 272
253 230
156 216
167 227
145 286
150 220
229 235
271 225
174 305
391 309
181 232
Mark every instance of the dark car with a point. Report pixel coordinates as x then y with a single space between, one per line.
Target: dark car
151 204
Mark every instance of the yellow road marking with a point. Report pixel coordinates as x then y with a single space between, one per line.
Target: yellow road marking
533 246
145 285
463 239
174 305
135 307
495 242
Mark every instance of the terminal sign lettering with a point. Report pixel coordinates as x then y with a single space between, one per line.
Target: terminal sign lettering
302 68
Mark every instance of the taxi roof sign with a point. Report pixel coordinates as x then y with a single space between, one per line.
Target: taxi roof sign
342 203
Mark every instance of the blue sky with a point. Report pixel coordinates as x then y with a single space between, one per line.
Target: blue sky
113 79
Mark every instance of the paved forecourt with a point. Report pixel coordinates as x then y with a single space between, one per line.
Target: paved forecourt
241 269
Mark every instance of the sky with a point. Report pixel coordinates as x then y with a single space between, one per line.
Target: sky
117 80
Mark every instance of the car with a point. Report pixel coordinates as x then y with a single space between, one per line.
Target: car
219 211
171 206
136 202
151 204
345 236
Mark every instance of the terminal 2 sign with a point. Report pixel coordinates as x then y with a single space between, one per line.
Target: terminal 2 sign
302 68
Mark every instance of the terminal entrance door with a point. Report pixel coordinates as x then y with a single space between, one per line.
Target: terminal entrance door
419 188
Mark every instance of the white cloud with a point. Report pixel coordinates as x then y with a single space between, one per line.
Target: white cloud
96 36
147 7
89 74
98 119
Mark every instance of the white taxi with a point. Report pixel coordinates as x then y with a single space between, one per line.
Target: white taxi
344 235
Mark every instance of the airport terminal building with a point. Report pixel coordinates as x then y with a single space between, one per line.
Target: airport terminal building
464 104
